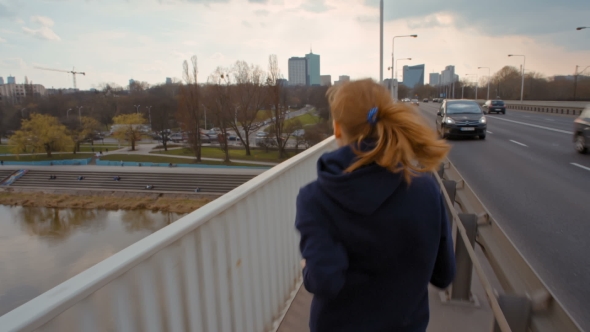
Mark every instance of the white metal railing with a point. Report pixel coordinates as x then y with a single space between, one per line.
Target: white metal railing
229 266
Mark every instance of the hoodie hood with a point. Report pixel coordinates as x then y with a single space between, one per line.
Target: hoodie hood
364 190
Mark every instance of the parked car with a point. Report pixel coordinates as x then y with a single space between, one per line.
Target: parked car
425 100
496 106
461 118
582 131
415 102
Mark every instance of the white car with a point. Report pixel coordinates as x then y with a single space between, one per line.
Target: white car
415 102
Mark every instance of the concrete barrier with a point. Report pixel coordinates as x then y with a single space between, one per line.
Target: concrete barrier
68 162
149 164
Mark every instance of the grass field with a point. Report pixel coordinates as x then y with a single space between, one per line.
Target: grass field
42 157
306 119
166 160
214 152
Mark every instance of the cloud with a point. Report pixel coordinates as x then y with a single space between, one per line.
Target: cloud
43 33
316 6
2 40
217 56
13 63
5 11
431 21
43 20
20 21
261 12
258 1
189 43
246 24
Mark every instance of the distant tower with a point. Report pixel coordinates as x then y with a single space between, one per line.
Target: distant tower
168 80
11 80
1 80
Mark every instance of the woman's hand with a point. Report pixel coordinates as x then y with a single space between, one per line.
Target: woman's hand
302 263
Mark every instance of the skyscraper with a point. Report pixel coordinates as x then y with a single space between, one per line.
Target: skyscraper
326 80
413 76
10 80
298 71
434 79
1 80
313 68
168 80
447 75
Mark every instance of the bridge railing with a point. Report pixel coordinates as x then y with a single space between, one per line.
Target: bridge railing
229 266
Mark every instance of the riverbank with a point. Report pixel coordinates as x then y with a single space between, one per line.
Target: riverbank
108 200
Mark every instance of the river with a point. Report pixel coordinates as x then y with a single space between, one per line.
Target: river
42 247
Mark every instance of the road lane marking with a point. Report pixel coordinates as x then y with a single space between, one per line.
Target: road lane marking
584 167
535 126
513 141
489 132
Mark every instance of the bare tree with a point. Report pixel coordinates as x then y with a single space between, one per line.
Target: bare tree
189 105
218 100
249 96
277 96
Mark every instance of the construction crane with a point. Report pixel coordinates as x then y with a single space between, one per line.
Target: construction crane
73 72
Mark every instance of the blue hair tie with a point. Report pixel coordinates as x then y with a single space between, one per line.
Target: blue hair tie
372 116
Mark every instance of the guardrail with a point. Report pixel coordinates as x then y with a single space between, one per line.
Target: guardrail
229 266
49 162
526 300
546 109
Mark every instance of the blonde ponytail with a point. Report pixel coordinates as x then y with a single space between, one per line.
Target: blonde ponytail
402 141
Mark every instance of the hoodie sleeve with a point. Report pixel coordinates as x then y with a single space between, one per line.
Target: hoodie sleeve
326 260
444 267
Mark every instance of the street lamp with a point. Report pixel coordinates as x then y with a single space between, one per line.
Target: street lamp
396 82
582 28
488 68
80 114
150 115
392 62
136 108
576 73
522 84
475 85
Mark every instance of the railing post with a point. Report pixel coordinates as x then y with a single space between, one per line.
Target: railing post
441 170
517 310
462 285
451 188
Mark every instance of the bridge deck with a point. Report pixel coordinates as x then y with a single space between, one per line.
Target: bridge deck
444 317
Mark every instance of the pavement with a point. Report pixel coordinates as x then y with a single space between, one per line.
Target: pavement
537 187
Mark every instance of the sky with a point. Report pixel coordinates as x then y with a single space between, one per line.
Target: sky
147 40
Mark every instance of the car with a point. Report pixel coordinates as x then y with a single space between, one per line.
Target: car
582 131
461 118
415 102
496 106
425 100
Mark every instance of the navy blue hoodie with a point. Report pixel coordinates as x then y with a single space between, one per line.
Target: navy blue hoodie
372 243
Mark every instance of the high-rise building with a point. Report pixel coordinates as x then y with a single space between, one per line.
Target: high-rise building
131 81
15 93
282 82
448 75
1 80
326 80
413 76
313 68
342 79
434 79
10 80
168 80
298 71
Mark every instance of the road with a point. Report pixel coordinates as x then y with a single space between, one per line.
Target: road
537 187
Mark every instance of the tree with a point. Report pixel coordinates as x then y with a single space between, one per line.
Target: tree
189 106
83 131
41 133
277 96
218 100
128 127
250 97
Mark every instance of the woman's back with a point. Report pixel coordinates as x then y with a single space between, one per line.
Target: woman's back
373 237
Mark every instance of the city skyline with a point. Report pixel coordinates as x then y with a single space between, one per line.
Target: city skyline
112 41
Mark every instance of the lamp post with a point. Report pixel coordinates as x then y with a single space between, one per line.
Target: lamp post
205 111
475 85
488 68
150 115
392 62
522 84
80 114
136 108
576 73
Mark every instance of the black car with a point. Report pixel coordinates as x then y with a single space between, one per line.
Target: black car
582 131
496 106
425 100
461 118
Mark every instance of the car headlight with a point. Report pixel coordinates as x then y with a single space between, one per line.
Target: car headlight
482 120
450 121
